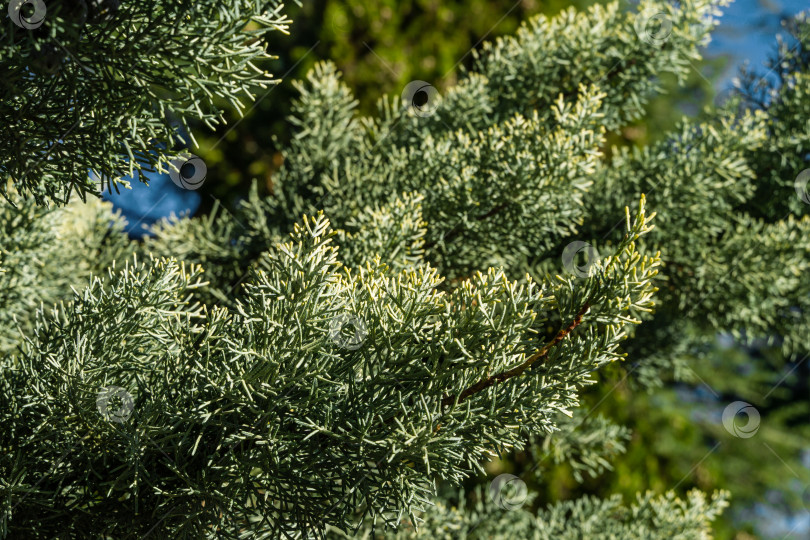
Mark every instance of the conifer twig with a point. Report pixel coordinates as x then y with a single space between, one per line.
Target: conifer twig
514 372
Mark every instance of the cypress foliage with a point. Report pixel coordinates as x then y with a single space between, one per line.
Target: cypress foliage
411 302
101 85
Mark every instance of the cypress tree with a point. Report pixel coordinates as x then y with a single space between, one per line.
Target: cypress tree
425 290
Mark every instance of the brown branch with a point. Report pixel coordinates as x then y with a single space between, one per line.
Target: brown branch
514 372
